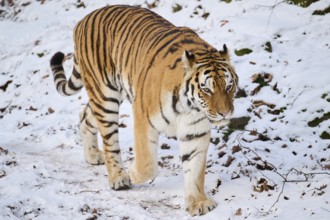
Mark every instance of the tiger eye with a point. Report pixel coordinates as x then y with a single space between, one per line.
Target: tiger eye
207 91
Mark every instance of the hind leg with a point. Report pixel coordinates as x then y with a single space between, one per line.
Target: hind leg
106 112
88 132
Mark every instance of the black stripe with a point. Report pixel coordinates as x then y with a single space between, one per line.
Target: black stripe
83 117
198 120
204 66
109 99
187 86
162 37
84 28
137 34
92 32
57 68
58 76
190 137
187 157
113 151
209 76
148 24
101 51
92 132
196 78
126 28
162 113
72 86
100 107
76 74
172 49
108 124
175 99
173 66
188 41
133 34
61 88
150 123
108 136
99 92
145 34
99 34
89 124
192 89
118 18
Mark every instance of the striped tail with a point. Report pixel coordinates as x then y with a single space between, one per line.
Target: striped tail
63 86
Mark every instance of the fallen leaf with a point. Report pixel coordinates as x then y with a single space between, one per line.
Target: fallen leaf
238 212
2 173
122 125
24 124
167 157
32 109
230 159
236 149
165 146
223 23
3 151
221 154
258 103
50 110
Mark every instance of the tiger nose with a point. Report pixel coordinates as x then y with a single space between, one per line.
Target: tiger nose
226 114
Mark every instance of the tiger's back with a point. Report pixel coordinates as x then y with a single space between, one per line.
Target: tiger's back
133 47
177 83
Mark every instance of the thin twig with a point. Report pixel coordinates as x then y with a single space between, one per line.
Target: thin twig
285 177
87 191
272 11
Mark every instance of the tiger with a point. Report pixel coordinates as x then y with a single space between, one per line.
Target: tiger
177 83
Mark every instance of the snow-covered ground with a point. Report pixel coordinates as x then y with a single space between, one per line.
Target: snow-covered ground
278 167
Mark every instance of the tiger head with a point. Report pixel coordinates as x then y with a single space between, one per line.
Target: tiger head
210 83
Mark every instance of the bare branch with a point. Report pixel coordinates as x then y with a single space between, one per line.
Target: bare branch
285 177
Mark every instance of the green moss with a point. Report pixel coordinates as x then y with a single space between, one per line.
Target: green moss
315 122
176 8
240 94
243 52
234 125
322 12
268 47
302 3
40 55
325 135
326 96
277 111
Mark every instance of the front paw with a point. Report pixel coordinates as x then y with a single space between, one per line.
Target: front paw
122 182
201 207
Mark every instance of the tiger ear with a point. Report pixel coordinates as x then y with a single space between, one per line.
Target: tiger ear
224 52
188 59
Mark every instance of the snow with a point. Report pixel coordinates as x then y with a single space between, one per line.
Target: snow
42 171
